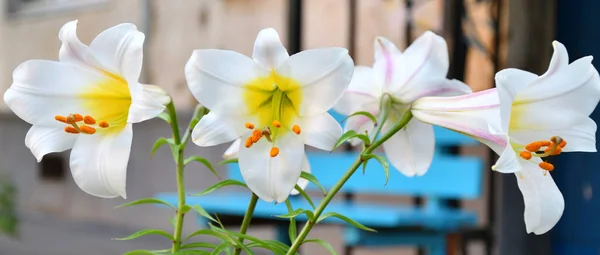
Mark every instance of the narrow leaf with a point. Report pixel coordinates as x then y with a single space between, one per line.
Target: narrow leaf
148 201
160 142
292 231
191 252
382 161
220 248
323 243
198 245
203 212
186 208
363 113
344 218
202 160
139 252
165 116
294 213
145 232
364 167
349 135
305 196
228 161
311 178
221 184
172 221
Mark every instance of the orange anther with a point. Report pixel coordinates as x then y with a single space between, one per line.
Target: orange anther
78 117
103 124
525 155
274 152
71 130
296 129
550 147
256 135
533 147
89 120
546 166
71 118
62 119
88 130
248 143
249 125
557 151
562 144
545 143
276 124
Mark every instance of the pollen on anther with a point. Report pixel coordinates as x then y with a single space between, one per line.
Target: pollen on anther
276 124
88 130
89 120
71 130
249 125
533 147
525 155
62 119
274 152
78 117
546 166
103 124
248 143
256 135
562 144
296 129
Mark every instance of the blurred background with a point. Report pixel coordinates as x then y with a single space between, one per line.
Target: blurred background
43 212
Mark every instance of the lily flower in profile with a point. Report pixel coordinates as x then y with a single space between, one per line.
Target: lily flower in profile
275 102
406 76
87 102
526 120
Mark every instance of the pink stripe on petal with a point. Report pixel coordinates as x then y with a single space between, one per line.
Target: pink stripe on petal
475 133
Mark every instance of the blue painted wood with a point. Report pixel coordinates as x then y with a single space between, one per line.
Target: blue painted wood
433 242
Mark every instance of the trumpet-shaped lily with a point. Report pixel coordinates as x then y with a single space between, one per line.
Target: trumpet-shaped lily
87 102
404 76
232 152
275 102
525 120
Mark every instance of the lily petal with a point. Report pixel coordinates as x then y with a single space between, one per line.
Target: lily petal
384 48
120 49
324 74
362 90
302 183
156 92
232 151
544 203
211 83
99 163
44 140
147 103
73 50
320 131
579 137
216 128
272 178
411 149
268 49
511 82
432 87
360 124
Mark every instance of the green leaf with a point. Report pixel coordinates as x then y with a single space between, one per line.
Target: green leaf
203 212
294 213
220 248
147 201
172 221
221 184
202 160
228 161
349 135
364 167
311 178
322 243
363 113
160 142
231 238
277 247
206 232
145 232
186 208
165 116
346 219
191 252
382 161
139 252
292 230
199 245
305 196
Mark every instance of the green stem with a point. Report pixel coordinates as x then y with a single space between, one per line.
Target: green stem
179 173
246 221
338 185
386 105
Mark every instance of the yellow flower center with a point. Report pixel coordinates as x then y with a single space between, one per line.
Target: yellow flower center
107 101
274 101
542 149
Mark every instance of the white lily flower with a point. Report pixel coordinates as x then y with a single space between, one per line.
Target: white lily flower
275 102
417 72
232 152
87 102
526 119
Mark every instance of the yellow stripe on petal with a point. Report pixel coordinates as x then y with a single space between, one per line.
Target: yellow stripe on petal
108 102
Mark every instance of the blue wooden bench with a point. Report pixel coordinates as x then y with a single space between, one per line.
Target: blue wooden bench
427 226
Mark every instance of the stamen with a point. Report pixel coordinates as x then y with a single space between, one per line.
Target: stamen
546 166
62 119
89 120
78 117
276 123
562 144
103 124
266 132
256 135
71 130
248 142
88 130
533 147
71 118
296 129
274 152
525 155
249 125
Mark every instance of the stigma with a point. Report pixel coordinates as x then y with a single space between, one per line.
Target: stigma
79 124
545 148
268 134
